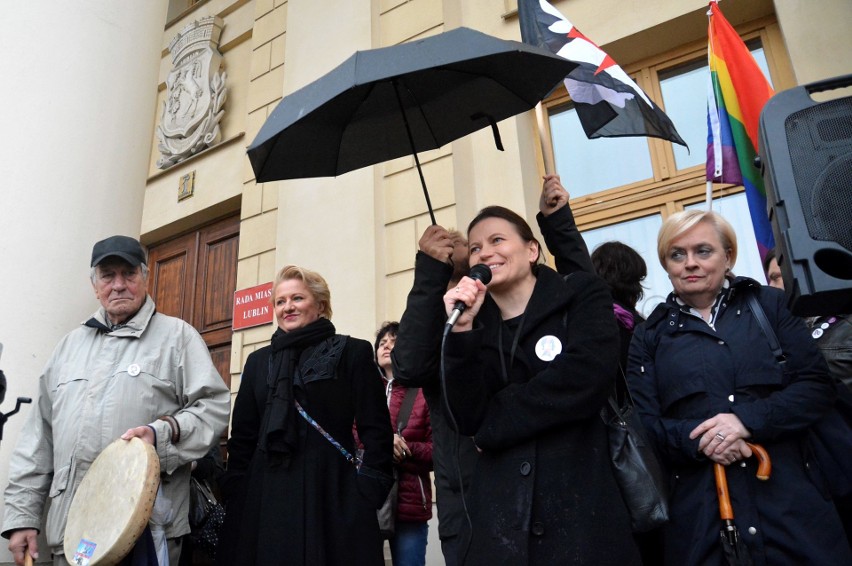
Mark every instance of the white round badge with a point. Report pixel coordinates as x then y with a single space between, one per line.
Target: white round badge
133 370
548 347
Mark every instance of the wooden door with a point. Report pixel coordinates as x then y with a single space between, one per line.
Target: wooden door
194 277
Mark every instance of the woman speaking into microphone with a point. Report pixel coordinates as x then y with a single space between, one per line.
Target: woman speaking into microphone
528 365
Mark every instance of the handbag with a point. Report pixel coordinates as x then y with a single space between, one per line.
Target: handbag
206 516
387 512
829 440
640 478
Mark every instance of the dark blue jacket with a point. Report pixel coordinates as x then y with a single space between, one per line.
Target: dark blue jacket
682 372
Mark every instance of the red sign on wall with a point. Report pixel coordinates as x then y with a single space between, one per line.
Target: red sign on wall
252 306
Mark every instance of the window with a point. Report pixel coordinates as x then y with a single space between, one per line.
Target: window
588 163
622 189
685 89
641 235
179 8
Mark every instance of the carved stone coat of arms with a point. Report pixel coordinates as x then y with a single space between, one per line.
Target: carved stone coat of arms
195 93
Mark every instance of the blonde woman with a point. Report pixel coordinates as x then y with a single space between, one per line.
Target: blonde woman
292 495
705 381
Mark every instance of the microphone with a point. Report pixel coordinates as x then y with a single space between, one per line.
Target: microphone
479 272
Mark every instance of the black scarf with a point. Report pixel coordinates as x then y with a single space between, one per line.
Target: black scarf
278 435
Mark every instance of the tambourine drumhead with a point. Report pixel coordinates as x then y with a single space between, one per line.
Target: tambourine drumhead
112 504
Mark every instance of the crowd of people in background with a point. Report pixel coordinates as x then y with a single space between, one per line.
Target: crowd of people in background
503 405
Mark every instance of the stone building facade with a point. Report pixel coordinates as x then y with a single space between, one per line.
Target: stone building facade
83 164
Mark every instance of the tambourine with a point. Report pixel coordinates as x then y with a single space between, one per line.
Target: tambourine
113 504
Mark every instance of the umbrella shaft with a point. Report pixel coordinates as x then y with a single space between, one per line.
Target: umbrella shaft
414 152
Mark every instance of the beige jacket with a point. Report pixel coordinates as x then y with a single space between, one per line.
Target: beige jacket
96 385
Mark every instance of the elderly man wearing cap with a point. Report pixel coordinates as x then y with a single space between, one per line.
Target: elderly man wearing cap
126 372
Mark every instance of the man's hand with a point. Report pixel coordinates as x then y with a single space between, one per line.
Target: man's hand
145 432
436 242
23 541
553 195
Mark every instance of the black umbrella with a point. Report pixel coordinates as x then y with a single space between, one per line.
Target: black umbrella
734 549
385 103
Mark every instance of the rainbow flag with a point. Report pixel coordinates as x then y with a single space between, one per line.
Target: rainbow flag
738 90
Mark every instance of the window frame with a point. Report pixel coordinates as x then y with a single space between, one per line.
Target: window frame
669 190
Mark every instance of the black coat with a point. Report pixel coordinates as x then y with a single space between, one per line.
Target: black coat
318 511
543 491
834 340
417 351
682 372
415 359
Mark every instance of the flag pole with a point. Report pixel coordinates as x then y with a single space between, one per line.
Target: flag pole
717 153
546 153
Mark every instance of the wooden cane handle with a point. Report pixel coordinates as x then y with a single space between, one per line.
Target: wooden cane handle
28 560
726 512
764 464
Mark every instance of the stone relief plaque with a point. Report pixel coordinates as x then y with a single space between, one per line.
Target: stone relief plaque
195 93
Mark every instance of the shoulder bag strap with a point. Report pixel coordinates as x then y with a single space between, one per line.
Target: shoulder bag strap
405 409
346 454
765 326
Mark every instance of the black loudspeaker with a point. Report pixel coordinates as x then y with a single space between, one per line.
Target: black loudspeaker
806 162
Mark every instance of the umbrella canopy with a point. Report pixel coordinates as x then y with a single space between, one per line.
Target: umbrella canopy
385 103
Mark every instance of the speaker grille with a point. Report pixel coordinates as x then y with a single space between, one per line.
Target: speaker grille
830 203
820 142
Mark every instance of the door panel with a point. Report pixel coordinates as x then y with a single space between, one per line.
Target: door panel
221 356
193 277
173 269
217 267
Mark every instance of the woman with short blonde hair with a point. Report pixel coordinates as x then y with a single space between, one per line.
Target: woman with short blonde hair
295 493
685 220
706 384
313 280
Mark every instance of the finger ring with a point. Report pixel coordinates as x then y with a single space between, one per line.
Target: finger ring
720 436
